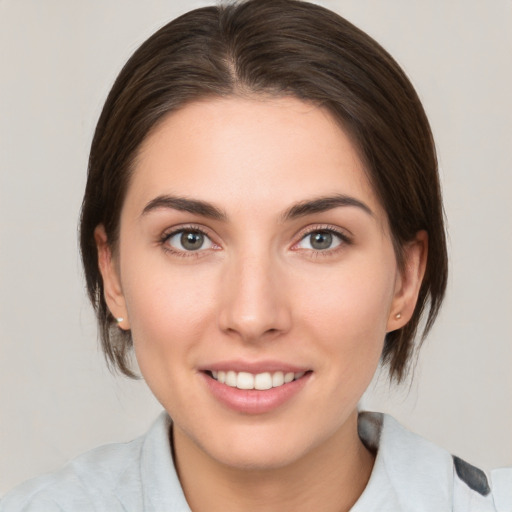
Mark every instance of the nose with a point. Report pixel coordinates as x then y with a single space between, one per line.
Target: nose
254 303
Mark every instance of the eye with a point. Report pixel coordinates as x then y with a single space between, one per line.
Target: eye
320 240
188 240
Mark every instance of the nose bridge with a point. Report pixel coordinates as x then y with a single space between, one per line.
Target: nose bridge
254 305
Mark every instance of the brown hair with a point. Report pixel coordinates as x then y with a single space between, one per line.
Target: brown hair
277 47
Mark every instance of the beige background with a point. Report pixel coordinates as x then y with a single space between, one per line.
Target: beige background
58 59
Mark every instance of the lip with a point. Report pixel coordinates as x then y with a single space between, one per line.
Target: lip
254 401
253 366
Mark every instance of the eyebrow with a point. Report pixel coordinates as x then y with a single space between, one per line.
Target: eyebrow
301 209
323 204
195 206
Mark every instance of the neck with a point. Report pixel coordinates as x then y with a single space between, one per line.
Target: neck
329 478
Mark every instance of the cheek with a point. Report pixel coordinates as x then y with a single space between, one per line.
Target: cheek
348 314
168 310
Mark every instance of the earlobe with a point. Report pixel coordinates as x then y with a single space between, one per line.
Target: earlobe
409 281
111 283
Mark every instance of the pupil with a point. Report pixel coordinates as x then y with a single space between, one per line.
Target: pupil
321 240
192 241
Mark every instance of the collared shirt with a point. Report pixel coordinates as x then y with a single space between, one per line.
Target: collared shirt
410 475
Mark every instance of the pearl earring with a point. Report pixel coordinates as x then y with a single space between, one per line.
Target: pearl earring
398 316
119 320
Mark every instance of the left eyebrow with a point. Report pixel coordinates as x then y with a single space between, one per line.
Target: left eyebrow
323 204
197 207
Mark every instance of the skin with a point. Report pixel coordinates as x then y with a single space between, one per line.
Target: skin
256 291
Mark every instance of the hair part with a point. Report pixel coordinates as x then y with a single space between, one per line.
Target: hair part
276 48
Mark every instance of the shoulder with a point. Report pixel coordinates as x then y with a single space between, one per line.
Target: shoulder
501 484
89 479
424 476
106 478
473 489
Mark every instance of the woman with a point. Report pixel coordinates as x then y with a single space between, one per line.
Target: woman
262 222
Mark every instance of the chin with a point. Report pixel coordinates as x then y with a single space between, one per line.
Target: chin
254 458
261 447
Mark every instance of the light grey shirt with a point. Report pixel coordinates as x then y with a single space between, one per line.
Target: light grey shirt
410 475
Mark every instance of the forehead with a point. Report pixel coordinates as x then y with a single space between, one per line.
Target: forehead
237 151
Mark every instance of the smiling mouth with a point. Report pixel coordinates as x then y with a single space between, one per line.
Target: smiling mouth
259 381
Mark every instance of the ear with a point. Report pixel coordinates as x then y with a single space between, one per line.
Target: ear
408 282
111 283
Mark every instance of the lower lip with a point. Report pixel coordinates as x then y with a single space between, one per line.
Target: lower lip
253 401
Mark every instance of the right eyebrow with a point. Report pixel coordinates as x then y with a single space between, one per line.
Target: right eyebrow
197 207
323 204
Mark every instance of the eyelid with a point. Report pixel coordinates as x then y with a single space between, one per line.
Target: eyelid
342 234
173 231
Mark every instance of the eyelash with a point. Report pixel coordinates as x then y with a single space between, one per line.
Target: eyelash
183 254
344 240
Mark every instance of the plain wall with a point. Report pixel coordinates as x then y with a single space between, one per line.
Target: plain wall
59 58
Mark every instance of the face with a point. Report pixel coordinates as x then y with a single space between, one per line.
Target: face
256 271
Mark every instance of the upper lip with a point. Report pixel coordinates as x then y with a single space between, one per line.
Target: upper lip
254 367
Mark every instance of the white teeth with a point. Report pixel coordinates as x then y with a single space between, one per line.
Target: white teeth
263 381
260 381
231 379
277 379
245 380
